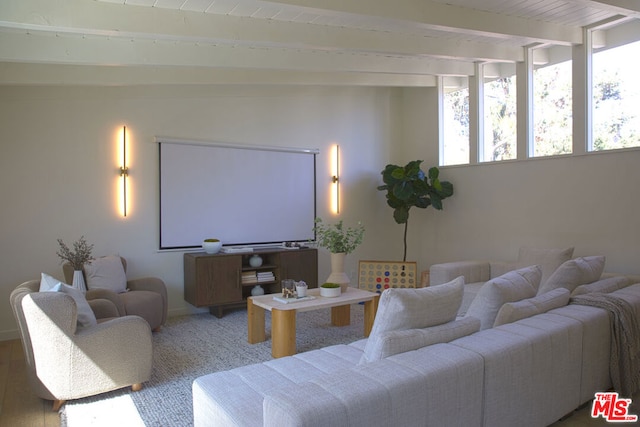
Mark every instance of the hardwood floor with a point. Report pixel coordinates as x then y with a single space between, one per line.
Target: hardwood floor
20 406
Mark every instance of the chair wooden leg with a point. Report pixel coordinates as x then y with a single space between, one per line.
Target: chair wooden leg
136 387
57 404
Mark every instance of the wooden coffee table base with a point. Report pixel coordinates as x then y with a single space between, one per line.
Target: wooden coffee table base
283 324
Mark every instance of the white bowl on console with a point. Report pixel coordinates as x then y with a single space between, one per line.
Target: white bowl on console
211 247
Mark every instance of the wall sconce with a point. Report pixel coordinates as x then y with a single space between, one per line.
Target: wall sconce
335 179
124 171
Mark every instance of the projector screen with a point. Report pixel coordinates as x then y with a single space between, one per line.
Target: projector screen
242 195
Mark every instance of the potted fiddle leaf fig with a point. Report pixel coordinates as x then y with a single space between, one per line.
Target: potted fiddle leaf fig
408 186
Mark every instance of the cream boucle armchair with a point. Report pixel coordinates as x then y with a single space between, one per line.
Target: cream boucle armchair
67 362
145 297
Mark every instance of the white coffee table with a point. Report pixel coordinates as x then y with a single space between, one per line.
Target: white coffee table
283 316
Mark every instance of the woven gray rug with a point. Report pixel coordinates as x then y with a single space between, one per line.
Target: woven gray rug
192 346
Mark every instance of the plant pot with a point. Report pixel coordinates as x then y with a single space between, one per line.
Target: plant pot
337 271
211 247
330 292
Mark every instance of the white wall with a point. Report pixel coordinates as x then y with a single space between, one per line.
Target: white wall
58 176
58 166
590 202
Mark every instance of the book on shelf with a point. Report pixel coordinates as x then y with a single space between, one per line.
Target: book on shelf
269 274
249 277
236 250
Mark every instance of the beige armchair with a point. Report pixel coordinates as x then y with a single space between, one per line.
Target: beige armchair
146 297
67 362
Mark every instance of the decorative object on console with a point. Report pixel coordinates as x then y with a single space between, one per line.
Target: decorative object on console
257 290
211 246
330 290
80 256
408 186
339 241
255 261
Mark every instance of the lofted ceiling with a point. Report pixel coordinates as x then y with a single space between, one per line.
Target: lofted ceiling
337 42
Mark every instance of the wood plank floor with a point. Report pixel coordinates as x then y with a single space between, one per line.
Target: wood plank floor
20 406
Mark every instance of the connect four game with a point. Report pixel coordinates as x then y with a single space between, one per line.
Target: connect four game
376 276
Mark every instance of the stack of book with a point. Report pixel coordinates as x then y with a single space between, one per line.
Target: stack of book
265 276
249 277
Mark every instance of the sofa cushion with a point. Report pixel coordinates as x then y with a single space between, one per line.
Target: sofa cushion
604 286
106 273
418 308
400 309
575 272
548 259
399 341
85 314
513 311
513 286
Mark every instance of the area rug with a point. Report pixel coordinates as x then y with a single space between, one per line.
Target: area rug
191 346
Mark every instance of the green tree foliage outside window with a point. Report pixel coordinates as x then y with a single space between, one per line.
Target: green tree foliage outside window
552 110
500 119
616 96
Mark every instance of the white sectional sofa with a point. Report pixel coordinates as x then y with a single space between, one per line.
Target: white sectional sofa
530 372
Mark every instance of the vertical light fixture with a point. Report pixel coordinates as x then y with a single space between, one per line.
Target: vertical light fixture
124 171
335 179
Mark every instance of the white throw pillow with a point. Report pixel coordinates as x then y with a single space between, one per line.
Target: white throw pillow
548 259
86 317
603 286
401 309
47 282
513 286
418 308
513 311
399 341
106 273
575 272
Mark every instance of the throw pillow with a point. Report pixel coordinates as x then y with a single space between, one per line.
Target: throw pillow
47 282
575 272
106 273
418 308
85 314
400 309
400 341
604 286
513 286
513 311
548 259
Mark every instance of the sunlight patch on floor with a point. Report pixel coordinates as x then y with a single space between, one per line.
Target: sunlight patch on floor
116 411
